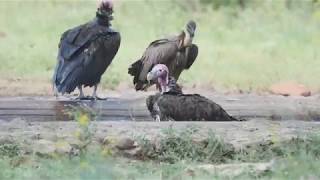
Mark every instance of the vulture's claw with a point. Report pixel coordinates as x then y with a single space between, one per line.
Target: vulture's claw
83 98
98 98
91 98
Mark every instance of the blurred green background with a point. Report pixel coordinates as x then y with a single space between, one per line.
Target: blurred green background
244 44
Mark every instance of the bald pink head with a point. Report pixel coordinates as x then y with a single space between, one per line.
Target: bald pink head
159 72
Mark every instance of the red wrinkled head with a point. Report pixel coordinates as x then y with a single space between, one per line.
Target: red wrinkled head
159 73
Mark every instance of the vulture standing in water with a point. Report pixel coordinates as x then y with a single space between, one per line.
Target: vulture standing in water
85 52
171 103
178 53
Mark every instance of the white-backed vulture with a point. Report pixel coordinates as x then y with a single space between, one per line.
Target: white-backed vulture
178 53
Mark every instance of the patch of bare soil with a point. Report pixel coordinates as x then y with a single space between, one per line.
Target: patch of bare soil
24 87
43 87
290 89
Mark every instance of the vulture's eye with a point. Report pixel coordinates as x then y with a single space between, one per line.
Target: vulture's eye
160 70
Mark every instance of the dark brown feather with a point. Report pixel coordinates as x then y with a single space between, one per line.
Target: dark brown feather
174 105
186 107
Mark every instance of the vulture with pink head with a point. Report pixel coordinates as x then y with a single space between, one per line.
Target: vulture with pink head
172 104
85 52
178 53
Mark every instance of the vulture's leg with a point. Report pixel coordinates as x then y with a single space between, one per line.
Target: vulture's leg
158 114
158 118
94 94
81 95
55 92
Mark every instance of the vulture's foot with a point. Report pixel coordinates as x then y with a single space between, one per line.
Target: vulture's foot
94 94
98 98
158 118
91 98
81 98
84 98
241 119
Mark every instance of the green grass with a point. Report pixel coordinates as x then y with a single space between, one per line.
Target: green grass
108 168
246 49
294 159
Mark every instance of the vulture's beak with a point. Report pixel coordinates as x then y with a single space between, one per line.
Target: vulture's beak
191 28
150 77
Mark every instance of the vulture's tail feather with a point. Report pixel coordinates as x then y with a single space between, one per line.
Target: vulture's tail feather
134 70
139 86
236 119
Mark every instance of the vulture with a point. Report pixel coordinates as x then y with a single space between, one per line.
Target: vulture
172 104
85 52
178 53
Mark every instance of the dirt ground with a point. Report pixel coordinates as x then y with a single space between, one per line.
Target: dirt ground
41 87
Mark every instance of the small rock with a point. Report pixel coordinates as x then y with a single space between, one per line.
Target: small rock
36 136
125 144
108 140
190 172
44 147
63 147
136 152
290 89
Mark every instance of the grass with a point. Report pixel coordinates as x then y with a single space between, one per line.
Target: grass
294 159
181 146
293 168
246 49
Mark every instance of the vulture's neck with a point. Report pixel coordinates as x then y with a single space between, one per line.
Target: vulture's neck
163 84
102 20
170 86
187 41
181 38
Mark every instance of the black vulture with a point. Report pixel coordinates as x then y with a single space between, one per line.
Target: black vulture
172 104
177 52
85 52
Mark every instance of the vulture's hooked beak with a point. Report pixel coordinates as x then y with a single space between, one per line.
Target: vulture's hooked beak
191 28
150 77
189 33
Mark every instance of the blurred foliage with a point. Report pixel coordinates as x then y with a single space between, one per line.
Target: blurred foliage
83 115
289 4
243 44
216 4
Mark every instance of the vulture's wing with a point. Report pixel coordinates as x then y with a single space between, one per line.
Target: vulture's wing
159 52
150 102
75 52
191 55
